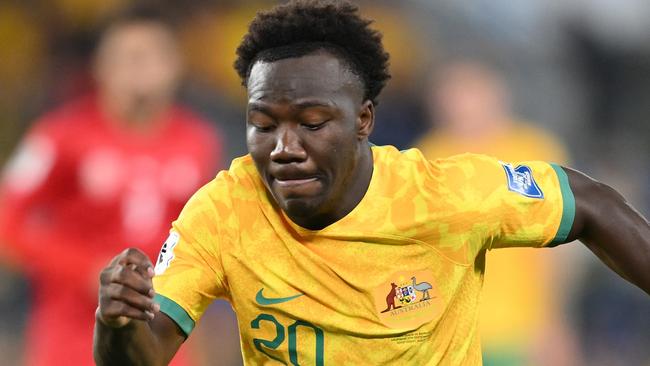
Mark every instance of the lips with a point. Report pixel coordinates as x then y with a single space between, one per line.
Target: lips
293 182
292 175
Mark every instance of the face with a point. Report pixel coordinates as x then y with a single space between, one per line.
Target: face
470 99
307 129
137 66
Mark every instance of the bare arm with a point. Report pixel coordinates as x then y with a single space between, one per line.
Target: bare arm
611 228
129 329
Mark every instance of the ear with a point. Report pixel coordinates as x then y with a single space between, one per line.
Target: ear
365 120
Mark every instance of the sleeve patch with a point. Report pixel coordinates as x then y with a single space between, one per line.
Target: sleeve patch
166 253
521 180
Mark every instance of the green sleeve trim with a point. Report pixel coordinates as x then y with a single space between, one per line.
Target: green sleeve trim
176 312
568 207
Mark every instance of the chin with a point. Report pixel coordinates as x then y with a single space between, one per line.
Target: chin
300 208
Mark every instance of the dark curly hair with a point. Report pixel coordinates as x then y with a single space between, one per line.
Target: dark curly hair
301 27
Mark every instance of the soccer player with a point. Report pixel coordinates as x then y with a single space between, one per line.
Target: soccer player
98 174
333 251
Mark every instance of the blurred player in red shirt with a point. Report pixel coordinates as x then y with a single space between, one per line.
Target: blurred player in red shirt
99 174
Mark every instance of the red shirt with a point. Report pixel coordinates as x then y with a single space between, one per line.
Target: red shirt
80 190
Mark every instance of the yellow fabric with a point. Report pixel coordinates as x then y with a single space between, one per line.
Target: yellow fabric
519 295
421 224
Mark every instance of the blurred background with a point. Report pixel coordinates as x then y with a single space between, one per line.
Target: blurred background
559 80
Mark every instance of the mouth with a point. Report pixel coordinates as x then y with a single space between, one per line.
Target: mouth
294 182
296 185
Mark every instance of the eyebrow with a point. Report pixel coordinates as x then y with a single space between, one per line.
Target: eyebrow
311 104
300 105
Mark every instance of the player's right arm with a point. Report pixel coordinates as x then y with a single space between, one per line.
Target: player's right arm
129 329
137 326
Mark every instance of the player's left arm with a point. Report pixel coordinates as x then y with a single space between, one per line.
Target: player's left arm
611 228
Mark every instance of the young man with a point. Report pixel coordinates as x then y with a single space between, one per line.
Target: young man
333 251
99 173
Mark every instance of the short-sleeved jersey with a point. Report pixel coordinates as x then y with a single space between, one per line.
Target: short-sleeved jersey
396 281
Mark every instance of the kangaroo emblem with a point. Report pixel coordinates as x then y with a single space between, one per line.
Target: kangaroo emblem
390 299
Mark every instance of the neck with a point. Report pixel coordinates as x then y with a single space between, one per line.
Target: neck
138 117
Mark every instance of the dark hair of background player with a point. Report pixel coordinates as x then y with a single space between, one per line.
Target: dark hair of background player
302 27
138 12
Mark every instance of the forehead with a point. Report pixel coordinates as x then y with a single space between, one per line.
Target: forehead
319 75
137 35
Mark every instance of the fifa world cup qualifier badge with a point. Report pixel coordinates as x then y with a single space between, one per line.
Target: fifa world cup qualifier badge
166 253
408 299
521 180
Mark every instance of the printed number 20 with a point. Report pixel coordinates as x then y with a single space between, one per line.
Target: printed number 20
279 338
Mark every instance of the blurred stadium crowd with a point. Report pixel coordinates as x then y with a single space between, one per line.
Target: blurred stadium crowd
564 81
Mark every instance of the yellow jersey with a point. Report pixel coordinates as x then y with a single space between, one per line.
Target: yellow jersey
396 281
522 298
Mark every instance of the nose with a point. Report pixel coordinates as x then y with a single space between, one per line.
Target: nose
288 147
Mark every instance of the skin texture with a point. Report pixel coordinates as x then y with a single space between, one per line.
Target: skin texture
307 130
129 328
611 228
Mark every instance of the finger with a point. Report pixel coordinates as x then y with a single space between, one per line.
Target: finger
135 256
131 297
126 276
145 271
116 309
114 260
106 273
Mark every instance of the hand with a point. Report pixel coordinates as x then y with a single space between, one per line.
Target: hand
126 291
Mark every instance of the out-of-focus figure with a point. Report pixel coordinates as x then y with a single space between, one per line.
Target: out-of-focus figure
470 109
521 301
101 173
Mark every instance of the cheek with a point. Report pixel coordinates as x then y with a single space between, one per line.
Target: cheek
257 141
250 140
343 154
257 146
254 145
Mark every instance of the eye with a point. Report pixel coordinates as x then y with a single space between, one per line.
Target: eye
261 125
260 121
315 125
262 128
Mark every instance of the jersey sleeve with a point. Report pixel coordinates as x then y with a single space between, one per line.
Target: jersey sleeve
513 204
35 226
189 272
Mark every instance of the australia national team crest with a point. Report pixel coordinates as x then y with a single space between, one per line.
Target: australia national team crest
408 299
406 294
521 180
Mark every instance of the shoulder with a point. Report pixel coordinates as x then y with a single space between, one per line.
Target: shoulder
67 118
243 175
46 149
51 132
396 161
412 161
460 178
229 199
240 183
